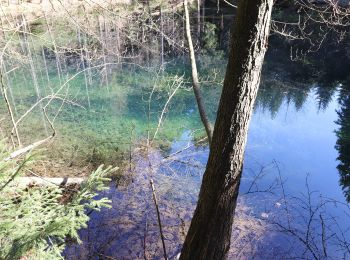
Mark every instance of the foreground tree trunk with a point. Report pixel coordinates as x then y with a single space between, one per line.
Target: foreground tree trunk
210 231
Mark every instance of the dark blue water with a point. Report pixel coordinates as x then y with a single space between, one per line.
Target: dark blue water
301 142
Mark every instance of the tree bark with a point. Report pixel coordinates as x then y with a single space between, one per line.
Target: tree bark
161 37
9 109
198 19
195 81
210 230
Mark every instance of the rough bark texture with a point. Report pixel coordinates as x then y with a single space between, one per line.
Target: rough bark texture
195 81
210 231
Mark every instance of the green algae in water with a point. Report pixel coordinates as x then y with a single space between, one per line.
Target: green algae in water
118 114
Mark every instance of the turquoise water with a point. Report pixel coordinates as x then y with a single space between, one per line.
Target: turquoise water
103 119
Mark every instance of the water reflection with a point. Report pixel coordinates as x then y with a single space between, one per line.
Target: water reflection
272 97
343 142
130 229
293 127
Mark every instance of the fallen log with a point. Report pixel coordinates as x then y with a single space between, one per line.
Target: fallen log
45 181
28 148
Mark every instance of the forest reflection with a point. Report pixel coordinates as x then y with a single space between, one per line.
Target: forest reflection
272 97
343 135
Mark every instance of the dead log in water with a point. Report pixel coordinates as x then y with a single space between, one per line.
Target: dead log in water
45 181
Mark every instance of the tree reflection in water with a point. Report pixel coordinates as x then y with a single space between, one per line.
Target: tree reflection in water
343 142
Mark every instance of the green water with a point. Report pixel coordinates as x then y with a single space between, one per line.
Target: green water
100 119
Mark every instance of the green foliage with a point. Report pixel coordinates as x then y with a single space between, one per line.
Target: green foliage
34 222
37 27
210 38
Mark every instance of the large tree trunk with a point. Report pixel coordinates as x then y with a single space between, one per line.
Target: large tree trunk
210 231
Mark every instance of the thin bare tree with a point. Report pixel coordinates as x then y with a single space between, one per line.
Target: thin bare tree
195 80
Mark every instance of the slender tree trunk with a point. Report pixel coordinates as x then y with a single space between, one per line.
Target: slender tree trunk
161 37
198 19
195 81
81 46
203 16
45 65
9 87
57 57
3 62
107 36
118 40
173 22
88 59
103 37
33 70
9 109
210 231
221 40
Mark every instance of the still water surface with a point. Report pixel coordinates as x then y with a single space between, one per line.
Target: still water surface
290 163
290 148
